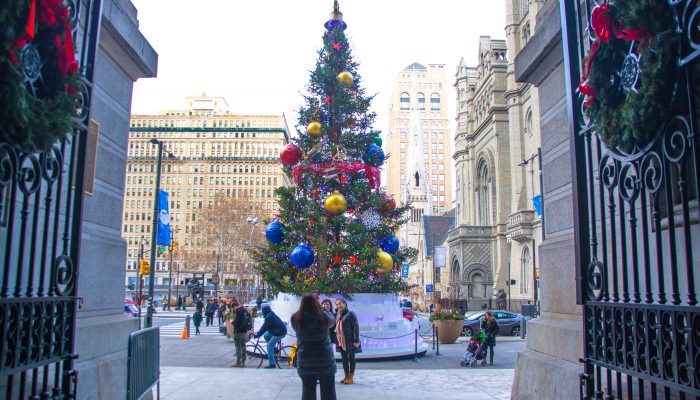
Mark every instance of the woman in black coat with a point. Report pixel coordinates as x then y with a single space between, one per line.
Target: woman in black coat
315 358
347 331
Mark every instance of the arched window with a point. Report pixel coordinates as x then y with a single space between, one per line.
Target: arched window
528 122
417 177
434 101
246 169
455 275
525 271
405 101
218 168
421 101
484 193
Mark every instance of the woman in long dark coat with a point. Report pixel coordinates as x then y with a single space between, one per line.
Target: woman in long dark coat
315 358
347 334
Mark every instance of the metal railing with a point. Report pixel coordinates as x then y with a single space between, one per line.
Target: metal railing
143 363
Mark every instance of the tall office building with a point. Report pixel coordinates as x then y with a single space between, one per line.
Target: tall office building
418 139
218 153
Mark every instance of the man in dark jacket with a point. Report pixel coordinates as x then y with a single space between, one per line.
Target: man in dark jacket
274 330
241 324
210 310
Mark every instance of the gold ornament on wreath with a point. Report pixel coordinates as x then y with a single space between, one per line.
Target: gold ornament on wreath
345 79
314 129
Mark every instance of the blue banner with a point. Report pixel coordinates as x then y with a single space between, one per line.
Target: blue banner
163 236
429 288
537 203
404 270
440 256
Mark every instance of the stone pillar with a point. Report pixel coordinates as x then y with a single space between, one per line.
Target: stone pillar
554 341
102 332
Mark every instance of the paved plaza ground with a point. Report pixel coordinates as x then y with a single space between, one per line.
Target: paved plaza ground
199 368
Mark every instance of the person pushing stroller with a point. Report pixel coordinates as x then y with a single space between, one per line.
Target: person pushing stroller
476 351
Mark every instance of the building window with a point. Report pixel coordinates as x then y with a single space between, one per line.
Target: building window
405 101
525 271
421 101
435 101
484 193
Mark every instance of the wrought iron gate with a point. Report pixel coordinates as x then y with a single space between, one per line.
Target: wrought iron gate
637 229
41 205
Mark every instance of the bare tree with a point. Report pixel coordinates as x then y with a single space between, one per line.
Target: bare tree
220 236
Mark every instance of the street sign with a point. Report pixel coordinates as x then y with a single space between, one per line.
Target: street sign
404 270
215 279
429 288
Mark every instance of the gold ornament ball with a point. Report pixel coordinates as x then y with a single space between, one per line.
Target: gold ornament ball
385 260
345 78
314 129
335 203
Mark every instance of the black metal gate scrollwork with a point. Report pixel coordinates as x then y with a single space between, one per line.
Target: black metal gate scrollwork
637 227
41 204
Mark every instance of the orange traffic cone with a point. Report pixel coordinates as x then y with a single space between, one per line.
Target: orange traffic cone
184 333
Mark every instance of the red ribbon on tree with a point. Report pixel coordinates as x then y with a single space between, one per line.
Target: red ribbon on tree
605 29
372 173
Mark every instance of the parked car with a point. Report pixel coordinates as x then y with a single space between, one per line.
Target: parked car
253 304
508 322
131 310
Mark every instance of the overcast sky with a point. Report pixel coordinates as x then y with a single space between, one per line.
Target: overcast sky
257 54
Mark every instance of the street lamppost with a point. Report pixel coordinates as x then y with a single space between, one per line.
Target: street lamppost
252 221
523 163
154 230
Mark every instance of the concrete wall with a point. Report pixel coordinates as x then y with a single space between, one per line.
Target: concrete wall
102 331
554 341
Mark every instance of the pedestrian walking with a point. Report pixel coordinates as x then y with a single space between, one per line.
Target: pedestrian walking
347 333
221 312
210 310
242 322
315 358
274 330
179 302
490 326
165 301
199 304
197 320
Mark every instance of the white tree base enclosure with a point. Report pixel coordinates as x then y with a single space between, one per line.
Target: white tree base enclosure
384 333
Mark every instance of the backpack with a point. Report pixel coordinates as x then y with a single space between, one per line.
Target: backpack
247 322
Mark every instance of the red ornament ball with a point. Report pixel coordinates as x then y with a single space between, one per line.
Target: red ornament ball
353 260
343 178
390 202
290 154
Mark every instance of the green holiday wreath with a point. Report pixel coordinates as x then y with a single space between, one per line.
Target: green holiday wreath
630 75
38 73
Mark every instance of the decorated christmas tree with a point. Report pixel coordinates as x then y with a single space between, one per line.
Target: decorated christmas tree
335 231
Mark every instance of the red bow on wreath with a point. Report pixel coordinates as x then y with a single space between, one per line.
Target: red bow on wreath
605 29
51 12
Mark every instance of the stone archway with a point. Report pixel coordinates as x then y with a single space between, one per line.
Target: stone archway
478 279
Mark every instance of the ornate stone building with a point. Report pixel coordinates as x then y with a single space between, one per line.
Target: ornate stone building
478 245
494 245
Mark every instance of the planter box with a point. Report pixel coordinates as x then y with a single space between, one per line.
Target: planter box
448 330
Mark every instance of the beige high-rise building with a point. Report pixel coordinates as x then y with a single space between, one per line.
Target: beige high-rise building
218 153
422 163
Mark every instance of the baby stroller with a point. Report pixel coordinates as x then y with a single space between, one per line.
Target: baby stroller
476 351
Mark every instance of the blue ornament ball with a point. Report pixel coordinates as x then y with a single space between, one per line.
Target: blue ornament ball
374 155
389 243
275 232
302 256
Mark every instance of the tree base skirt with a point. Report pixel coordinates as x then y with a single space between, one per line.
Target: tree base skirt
384 333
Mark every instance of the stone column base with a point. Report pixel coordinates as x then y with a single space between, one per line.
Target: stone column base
548 368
